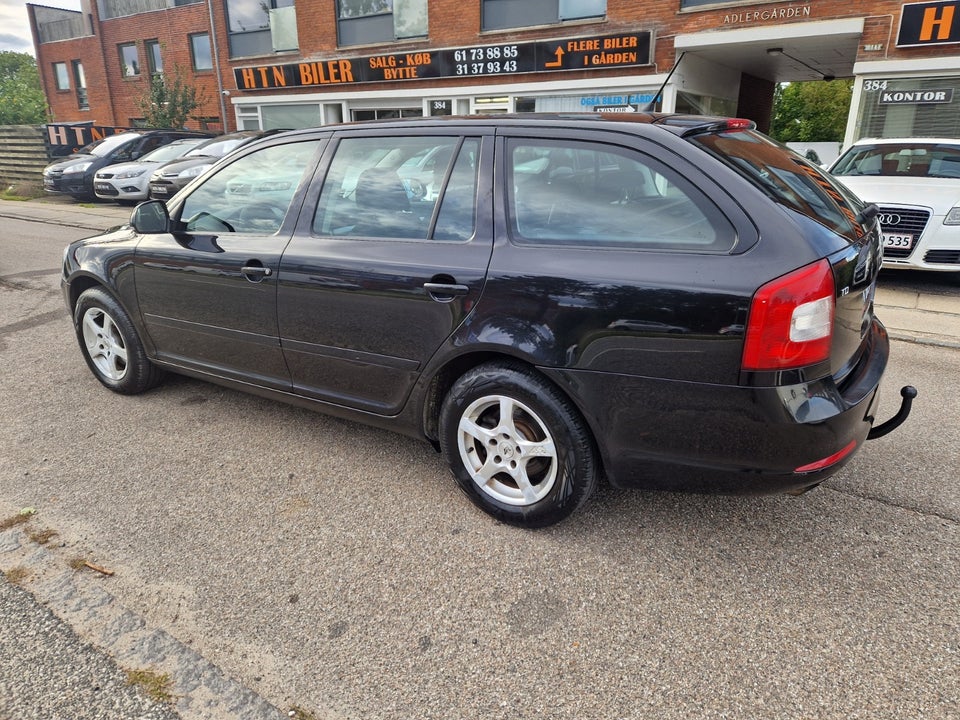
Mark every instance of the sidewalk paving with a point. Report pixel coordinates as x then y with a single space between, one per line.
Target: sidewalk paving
909 315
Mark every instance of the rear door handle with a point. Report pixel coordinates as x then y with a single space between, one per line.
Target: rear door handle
445 292
256 273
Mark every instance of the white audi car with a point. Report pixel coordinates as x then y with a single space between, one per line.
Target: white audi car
915 182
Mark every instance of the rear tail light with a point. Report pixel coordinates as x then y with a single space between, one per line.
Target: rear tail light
828 461
791 320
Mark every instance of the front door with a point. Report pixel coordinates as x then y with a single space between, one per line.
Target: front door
208 290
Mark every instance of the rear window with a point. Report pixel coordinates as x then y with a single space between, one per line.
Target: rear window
907 158
567 192
786 177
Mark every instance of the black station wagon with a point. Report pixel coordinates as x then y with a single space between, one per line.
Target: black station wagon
663 301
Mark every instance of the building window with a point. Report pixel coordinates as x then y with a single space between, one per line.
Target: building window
503 14
200 51
909 106
129 60
154 58
251 22
80 82
387 113
363 22
62 76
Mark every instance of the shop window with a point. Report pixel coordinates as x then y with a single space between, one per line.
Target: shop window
129 59
909 107
290 117
260 27
386 113
200 53
362 22
62 75
154 58
504 14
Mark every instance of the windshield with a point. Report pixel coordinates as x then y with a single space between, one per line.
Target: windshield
218 148
786 177
102 148
169 152
907 158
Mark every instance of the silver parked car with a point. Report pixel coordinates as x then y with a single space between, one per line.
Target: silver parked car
128 183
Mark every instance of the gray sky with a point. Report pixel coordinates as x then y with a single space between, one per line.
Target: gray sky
14 26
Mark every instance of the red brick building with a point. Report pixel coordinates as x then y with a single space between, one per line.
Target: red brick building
296 63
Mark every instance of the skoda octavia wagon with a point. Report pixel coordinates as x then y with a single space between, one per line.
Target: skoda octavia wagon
661 301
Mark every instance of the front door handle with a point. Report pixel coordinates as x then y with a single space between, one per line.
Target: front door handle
445 292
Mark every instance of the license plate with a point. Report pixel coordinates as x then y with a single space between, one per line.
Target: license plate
903 242
158 190
101 187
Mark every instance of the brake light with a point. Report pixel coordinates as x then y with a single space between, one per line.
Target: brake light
791 320
738 124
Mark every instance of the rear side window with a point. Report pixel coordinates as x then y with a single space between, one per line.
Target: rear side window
414 188
786 177
595 195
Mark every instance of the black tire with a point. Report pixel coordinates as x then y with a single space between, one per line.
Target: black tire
111 346
537 468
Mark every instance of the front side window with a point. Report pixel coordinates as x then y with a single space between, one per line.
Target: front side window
363 22
251 195
591 195
408 187
129 60
62 76
200 53
504 14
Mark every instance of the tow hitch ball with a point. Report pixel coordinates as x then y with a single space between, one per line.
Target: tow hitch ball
908 393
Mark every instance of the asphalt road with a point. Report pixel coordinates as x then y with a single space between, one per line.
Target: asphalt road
277 559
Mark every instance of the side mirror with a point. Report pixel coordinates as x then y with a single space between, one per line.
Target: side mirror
150 217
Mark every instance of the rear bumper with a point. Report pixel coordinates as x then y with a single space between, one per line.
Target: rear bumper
732 439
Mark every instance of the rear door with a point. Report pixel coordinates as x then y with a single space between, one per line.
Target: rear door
388 260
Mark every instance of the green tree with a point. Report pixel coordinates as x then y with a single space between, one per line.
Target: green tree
170 100
21 95
811 111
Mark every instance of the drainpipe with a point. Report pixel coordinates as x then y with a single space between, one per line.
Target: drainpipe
216 68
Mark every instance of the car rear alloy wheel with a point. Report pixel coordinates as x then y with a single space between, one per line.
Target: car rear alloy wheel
111 345
516 445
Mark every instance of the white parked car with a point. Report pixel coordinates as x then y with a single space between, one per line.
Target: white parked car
915 182
128 183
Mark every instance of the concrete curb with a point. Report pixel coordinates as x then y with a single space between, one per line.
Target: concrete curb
82 600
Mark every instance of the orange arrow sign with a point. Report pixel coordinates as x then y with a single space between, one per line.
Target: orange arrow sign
558 62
